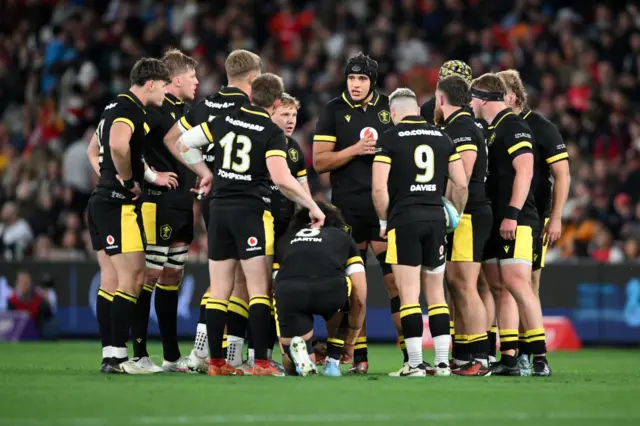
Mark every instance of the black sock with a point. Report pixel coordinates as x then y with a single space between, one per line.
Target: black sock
361 352
493 341
237 317
412 327
508 340
216 320
394 303
167 311
478 345
249 337
523 346
122 309
403 347
202 319
273 332
509 360
103 312
260 320
140 324
334 348
536 342
461 348
455 342
439 319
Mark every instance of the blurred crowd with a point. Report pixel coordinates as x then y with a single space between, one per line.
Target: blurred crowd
62 61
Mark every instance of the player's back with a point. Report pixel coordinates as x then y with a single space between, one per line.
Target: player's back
419 155
315 254
243 140
160 119
127 109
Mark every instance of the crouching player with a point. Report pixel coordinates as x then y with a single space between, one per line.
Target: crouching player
318 272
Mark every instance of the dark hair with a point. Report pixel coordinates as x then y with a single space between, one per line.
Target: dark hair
148 69
333 217
456 89
266 89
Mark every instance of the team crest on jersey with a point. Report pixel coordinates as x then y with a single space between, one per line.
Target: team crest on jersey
347 228
384 117
491 139
293 154
165 232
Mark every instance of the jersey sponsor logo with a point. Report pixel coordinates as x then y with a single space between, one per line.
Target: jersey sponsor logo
293 154
506 249
308 235
462 139
244 124
347 117
275 187
252 241
384 117
561 146
478 125
423 187
420 132
369 131
117 195
218 105
111 105
235 176
110 239
522 135
441 251
165 232
209 158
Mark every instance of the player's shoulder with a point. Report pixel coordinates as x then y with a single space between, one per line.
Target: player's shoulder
293 144
339 102
252 118
538 121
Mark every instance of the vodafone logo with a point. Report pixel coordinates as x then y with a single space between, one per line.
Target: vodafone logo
441 249
370 131
110 240
252 241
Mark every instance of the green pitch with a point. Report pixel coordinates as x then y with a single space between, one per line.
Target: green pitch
59 384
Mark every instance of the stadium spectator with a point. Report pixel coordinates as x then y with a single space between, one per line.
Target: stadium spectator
37 303
60 62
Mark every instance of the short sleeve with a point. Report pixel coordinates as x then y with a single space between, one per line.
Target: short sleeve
196 115
326 126
301 164
383 149
552 147
518 139
427 110
156 119
354 262
129 114
463 139
277 145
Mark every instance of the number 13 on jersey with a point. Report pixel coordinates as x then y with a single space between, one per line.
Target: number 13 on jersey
241 144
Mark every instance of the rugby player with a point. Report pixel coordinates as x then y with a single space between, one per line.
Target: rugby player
167 215
114 214
509 251
409 178
466 244
462 69
241 67
248 149
552 160
344 144
318 271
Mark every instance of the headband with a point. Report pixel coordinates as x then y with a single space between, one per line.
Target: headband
487 96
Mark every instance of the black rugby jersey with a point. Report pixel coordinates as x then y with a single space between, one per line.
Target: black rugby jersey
550 148
283 208
427 111
226 101
160 120
315 254
510 137
342 122
242 142
467 135
419 155
128 109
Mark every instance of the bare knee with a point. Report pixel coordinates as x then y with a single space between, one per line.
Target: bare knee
171 276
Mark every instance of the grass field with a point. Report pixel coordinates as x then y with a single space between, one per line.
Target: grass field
59 384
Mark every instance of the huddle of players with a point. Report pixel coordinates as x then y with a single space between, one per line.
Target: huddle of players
240 222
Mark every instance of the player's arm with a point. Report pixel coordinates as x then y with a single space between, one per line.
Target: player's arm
458 182
93 152
189 121
379 180
325 157
356 272
188 148
557 158
466 144
521 152
120 134
301 174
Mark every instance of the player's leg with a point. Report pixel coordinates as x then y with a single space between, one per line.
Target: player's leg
237 319
166 300
128 260
326 299
404 254
539 367
490 308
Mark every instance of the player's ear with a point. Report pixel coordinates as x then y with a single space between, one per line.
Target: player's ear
276 104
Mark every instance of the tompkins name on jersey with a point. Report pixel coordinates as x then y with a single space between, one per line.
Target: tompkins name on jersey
420 132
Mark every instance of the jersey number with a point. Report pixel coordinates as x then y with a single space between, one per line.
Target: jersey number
241 144
308 232
423 157
100 145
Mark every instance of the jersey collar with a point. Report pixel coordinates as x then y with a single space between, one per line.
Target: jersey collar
133 98
255 110
232 91
172 99
456 114
413 119
498 118
526 112
373 102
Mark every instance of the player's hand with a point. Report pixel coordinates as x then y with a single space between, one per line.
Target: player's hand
552 231
136 191
508 229
383 229
347 354
317 217
203 186
168 179
366 145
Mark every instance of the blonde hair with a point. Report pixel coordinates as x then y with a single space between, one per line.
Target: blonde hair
512 80
489 82
177 62
240 63
286 100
